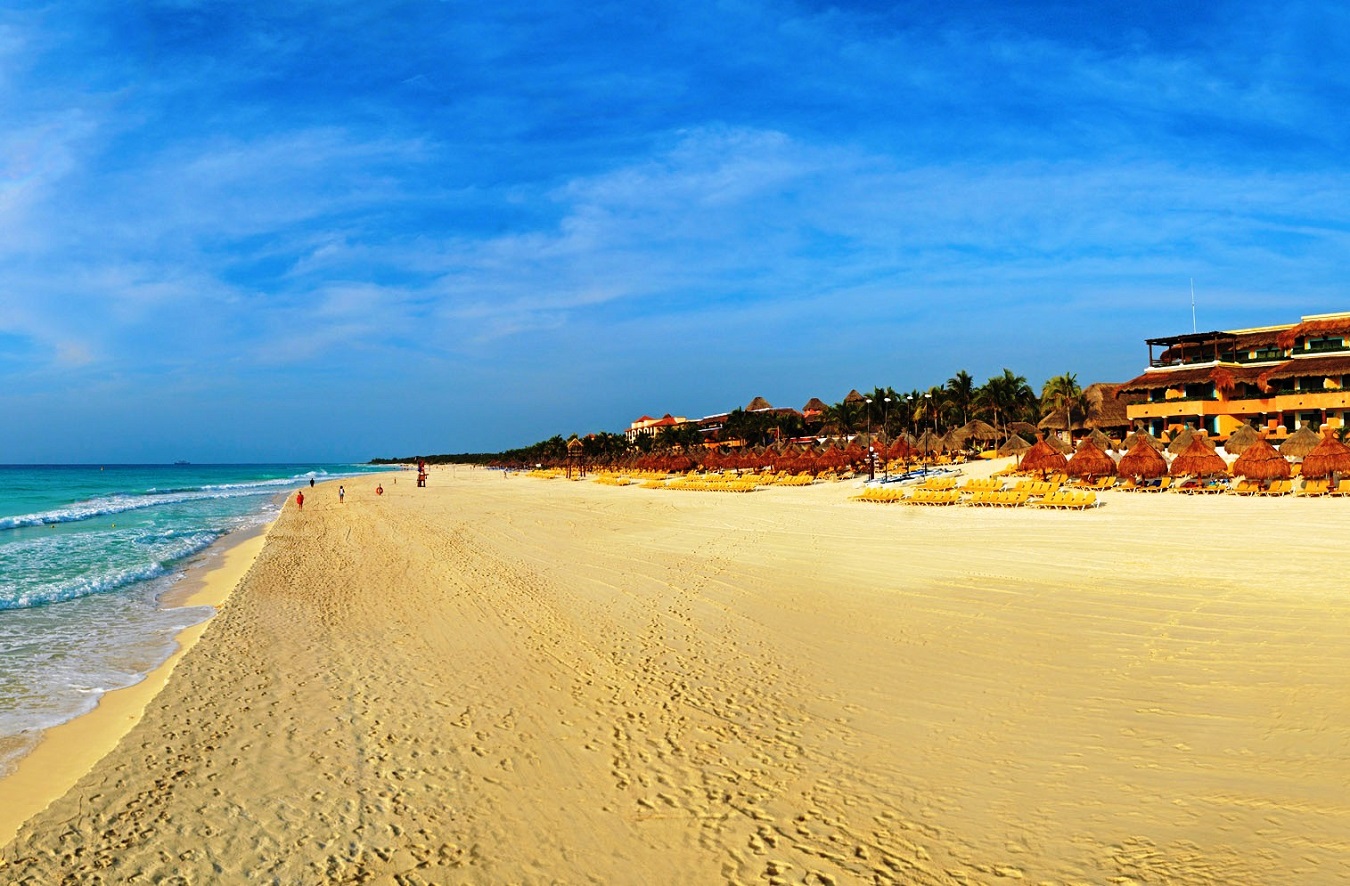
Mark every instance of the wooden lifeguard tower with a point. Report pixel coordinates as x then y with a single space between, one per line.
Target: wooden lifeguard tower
574 462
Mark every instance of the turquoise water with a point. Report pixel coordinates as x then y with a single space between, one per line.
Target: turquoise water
85 554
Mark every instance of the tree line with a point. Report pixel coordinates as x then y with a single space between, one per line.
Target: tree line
885 412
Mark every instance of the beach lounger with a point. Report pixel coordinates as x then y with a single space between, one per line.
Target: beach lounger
1342 488
1162 486
1068 499
1278 487
1314 488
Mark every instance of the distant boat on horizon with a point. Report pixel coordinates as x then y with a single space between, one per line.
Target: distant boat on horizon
181 462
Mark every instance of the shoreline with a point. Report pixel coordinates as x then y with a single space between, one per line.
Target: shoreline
66 752
531 681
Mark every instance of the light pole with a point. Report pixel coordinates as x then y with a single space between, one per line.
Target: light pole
929 407
909 402
885 432
871 449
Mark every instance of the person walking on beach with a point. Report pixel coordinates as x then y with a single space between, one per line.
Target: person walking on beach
342 495
311 482
300 500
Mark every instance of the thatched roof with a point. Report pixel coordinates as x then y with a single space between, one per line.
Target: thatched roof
1261 462
1143 460
1198 460
1181 442
1054 421
1103 442
1132 440
1330 456
1328 326
1013 445
1105 409
814 405
1300 443
1239 440
1224 378
929 442
757 404
899 448
1057 444
1023 429
1090 460
854 397
1042 457
976 430
1308 367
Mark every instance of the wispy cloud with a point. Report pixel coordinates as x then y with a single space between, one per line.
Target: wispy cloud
332 196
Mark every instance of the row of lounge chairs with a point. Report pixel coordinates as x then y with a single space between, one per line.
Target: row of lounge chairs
1066 499
1309 488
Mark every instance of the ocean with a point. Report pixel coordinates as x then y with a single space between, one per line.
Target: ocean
86 553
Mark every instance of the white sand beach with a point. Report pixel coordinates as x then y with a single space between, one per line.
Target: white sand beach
497 680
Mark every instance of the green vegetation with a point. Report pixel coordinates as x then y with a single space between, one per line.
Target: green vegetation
884 412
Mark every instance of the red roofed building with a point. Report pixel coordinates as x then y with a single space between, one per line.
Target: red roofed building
652 426
1277 378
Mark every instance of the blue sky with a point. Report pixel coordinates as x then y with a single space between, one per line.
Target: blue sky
335 231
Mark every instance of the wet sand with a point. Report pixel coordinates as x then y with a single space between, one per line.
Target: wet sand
512 680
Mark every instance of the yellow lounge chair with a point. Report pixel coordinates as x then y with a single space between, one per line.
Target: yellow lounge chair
1314 488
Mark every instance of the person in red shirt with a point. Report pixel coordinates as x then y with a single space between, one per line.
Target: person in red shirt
300 500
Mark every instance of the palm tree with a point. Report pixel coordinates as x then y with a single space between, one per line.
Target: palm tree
1006 396
843 417
1063 393
929 407
960 393
884 413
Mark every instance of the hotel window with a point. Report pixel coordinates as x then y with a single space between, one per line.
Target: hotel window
1267 354
1329 343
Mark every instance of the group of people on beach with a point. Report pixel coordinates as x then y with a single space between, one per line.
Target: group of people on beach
342 494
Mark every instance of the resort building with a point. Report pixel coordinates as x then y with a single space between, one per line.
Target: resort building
1276 378
652 426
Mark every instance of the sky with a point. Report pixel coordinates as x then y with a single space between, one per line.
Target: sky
336 231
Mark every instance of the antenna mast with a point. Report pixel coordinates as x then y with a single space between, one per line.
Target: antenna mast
1193 329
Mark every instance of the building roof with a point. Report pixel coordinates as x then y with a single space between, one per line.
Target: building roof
1308 367
1224 377
1106 410
1315 327
1233 342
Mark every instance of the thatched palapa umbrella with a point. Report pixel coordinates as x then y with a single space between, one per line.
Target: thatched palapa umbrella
1261 462
1024 429
1103 442
1300 443
1133 439
1090 460
977 430
1239 440
928 443
1330 457
1143 460
900 448
1043 457
1014 445
1182 441
1059 445
1199 461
